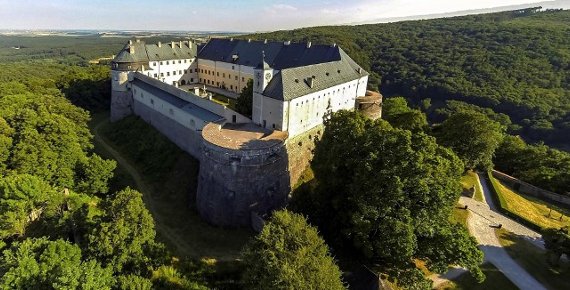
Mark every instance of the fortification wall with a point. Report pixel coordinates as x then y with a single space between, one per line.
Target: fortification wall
527 188
121 105
236 184
187 139
300 151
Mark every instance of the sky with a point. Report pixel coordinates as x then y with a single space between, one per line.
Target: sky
221 15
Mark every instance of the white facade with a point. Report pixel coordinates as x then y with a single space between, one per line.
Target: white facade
174 71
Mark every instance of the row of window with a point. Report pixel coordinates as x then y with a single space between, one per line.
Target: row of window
155 63
209 72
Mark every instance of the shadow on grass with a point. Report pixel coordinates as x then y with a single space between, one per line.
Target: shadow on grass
535 260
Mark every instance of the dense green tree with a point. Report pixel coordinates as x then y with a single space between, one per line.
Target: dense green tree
168 277
44 264
244 102
557 243
49 138
386 193
289 254
537 164
23 200
399 115
133 282
472 136
123 232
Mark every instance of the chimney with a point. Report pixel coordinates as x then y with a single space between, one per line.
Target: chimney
172 44
309 44
248 40
288 42
190 43
265 41
138 40
159 44
334 45
130 42
180 43
359 70
232 39
131 49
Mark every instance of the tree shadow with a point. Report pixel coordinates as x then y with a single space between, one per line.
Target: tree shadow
91 95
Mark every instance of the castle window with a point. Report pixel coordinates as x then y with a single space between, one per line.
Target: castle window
153 63
242 79
179 72
167 62
129 67
231 87
236 78
161 63
229 76
168 74
196 70
185 61
155 75
179 61
161 74
185 71
218 74
191 80
174 73
233 67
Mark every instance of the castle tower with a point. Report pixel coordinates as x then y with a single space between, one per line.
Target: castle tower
121 96
262 75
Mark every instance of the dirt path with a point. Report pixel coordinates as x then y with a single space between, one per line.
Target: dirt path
175 240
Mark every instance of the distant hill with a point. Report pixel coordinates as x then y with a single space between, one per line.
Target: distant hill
516 63
551 4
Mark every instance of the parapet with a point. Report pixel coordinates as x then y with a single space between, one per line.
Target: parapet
370 105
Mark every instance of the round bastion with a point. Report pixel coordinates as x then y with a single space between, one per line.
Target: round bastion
243 173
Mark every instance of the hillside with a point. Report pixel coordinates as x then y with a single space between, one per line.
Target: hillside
517 63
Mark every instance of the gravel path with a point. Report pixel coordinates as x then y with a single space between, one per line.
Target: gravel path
481 222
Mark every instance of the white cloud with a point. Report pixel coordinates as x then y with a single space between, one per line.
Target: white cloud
280 8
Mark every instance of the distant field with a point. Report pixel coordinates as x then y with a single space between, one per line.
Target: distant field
534 210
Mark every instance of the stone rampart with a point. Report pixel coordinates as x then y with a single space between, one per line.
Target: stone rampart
529 189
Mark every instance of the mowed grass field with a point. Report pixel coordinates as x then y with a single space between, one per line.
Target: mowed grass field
537 211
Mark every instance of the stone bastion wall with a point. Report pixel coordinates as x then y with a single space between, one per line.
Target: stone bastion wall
243 172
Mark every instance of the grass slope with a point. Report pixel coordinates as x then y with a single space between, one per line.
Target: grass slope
496 280
533 210
470 180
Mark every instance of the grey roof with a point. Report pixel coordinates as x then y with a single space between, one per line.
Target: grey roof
278 55
151 52
291 83
185 106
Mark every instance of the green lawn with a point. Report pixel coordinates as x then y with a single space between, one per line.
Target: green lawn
534 210
495 280
223 100
468 181
534 261
167 176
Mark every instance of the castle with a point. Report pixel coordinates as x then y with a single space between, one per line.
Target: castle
247 165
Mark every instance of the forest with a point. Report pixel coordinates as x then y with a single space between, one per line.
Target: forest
514 63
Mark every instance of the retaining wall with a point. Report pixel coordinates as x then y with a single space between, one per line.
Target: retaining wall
529 189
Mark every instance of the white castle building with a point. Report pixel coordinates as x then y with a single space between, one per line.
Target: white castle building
247 164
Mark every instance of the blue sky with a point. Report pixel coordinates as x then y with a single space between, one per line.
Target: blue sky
222 15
